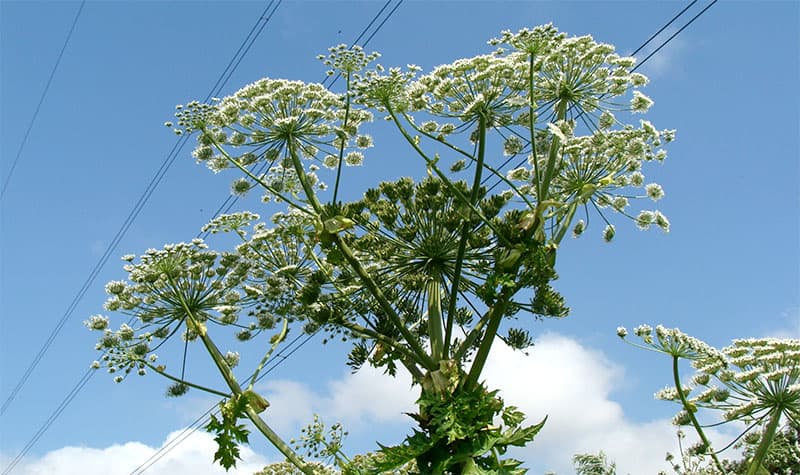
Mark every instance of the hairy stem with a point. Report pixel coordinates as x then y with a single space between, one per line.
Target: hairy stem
435 319
355 264
421 356
688 409
532 126
495 317
766 441
552 158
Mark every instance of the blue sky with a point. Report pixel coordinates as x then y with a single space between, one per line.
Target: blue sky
729 267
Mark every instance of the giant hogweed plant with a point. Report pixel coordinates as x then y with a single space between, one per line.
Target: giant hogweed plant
753 383
519 148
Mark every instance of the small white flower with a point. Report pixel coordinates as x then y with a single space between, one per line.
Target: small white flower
645 219
354 159
232 358
609 232
364 141
96 322
640 102
654 191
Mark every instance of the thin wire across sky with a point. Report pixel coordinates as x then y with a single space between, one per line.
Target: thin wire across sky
242 51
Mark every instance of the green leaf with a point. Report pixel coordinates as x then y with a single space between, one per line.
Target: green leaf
229 434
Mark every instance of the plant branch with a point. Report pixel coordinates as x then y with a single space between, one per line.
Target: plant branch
363 275
495 316
278 339
465 233
343 138
230 379
692 417
183 381
766 441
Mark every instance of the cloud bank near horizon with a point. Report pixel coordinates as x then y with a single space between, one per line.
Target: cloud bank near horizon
561 378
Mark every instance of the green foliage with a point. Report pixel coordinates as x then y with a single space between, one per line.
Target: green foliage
458 436
783 457
593 464
229 434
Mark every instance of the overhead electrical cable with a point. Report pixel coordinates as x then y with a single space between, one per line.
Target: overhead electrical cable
227 204
138 206
665 43
638 65
280 357
41 101
177 147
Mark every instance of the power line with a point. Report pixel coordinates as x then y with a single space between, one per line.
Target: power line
666 25
227 204
226 74
52 418
139 205
664 43
197 423
41 100
192 428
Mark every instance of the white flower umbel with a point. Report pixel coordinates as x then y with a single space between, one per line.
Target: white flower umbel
754 381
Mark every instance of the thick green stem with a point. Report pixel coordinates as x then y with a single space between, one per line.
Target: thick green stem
564 226
233 384
385 305
532 127
262 426
301 176
355 264
276 440
690 412
435 319
495 317
552 157
766 441
408 357
465 232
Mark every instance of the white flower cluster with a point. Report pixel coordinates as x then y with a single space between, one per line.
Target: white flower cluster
748 380
347 59
535 90
272 120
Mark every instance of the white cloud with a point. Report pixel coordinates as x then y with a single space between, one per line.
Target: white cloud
191 456
357 400
571 385
562 379
791 318
667 60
